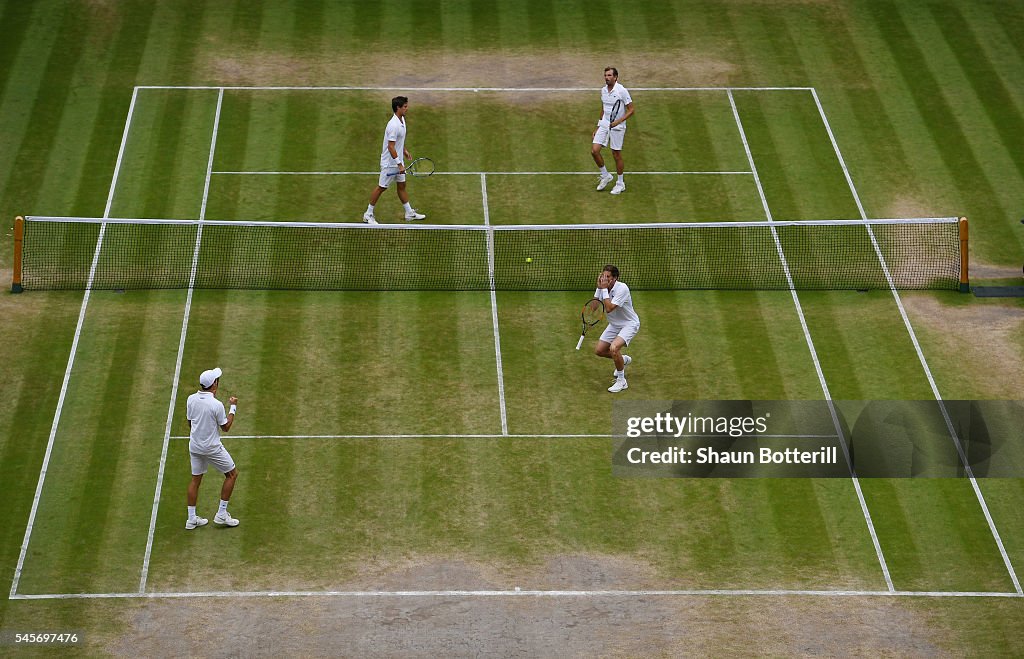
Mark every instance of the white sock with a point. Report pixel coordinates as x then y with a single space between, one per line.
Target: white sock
369 208
191 512
620 178
604 171
620 374
223 506
408 207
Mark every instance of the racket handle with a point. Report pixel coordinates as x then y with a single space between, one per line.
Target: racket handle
580 342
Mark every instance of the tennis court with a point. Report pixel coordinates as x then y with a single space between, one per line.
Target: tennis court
401 433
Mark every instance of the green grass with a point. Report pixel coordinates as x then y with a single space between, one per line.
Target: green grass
924 100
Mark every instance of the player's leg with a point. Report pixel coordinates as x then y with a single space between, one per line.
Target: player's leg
229 485
383 182
603 348
616 139
619 167
615 351
403 196
225 465
600 141
198 469
193 490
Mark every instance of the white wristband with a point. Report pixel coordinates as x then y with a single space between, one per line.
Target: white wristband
233 409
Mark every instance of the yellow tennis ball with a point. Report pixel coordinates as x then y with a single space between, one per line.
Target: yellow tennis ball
529 260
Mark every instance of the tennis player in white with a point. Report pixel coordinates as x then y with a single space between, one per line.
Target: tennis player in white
623 323
616 107
392 163
206 418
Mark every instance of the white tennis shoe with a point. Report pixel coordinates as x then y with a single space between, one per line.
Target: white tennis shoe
195 522
626 361
225 518
619 188
414 215
369 218
620 384
605 180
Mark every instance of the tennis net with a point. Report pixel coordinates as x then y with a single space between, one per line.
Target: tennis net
79 253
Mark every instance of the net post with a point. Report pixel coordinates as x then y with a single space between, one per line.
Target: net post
19 238
965 286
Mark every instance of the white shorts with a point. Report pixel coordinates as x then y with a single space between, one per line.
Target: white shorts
625 332
604 135
220 459
389 174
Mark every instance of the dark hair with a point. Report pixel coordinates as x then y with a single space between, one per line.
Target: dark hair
612 69
612 270
399 101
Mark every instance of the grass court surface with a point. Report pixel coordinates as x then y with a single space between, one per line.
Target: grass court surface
451 445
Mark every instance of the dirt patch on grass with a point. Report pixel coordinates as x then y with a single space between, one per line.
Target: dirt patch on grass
989 271
983 334
553 68
528 625
909 206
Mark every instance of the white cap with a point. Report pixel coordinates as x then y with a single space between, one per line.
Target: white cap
207 378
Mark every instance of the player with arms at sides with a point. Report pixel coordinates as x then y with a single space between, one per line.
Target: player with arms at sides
616 107
623 323
206 418
392 163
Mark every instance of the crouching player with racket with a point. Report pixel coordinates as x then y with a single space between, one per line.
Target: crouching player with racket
623 323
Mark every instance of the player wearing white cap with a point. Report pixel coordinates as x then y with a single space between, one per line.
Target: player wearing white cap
206 417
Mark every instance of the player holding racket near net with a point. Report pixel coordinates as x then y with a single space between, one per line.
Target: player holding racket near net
392 163
616 107
623 323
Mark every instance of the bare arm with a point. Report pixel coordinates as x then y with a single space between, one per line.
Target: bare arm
393 150
231 415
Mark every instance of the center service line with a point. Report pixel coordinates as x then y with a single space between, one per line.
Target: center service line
144 576
494 305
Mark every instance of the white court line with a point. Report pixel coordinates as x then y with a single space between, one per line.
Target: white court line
509 436
144 576
814 354
494 306
74 350
377 173
920 354
469 89
382 594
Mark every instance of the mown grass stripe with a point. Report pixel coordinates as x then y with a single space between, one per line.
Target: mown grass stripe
50 103
944 127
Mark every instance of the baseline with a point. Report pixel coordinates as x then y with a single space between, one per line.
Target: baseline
523 593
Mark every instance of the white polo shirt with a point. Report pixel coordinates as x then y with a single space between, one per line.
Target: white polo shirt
624 314
608 98
394 132
207 415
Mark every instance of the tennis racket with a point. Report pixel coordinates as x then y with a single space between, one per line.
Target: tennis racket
616 112
419 167
592 314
